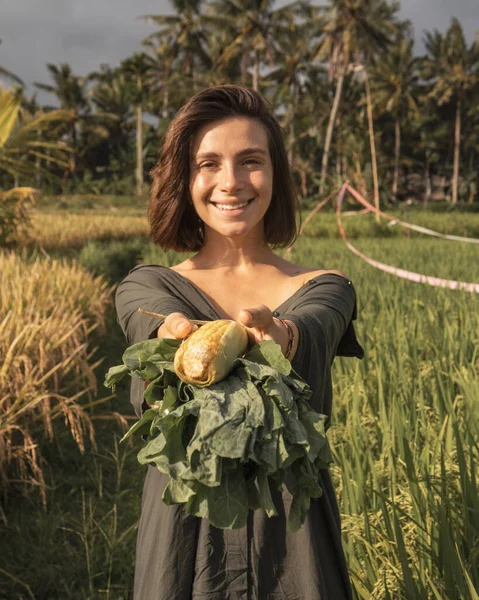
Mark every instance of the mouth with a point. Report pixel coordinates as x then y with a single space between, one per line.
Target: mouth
232 207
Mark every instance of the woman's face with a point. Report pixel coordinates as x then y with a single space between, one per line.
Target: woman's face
231 180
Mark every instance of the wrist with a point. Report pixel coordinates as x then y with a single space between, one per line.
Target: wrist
289 346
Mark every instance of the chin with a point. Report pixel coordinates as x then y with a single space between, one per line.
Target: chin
236 230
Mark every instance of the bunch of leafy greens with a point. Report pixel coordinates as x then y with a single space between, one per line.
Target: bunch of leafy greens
227 446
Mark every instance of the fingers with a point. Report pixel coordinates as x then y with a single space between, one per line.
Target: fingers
263 326
257 316
176 326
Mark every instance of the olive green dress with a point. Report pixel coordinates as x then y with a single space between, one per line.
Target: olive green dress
182 557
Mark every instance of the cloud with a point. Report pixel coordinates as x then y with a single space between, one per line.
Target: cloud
436 14
84 34
87 33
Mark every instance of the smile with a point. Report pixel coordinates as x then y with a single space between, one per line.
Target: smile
232 207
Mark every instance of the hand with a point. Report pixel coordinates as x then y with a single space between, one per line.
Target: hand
176 327
263 326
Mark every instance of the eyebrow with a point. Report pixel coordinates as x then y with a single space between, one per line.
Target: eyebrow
252 150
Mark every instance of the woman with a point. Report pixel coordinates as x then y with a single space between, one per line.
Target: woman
222 189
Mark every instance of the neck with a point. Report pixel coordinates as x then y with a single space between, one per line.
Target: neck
234 252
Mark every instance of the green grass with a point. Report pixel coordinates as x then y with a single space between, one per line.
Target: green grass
405 437
91 203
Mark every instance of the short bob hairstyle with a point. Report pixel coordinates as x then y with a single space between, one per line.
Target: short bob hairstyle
174 223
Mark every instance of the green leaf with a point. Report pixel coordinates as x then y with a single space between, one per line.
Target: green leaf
225 506
114 375
265 497
148 359
143 425
269 353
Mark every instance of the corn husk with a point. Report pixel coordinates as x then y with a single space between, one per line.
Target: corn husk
207 355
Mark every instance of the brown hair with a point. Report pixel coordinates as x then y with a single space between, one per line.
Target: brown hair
174 223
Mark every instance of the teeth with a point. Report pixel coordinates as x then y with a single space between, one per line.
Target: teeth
231 206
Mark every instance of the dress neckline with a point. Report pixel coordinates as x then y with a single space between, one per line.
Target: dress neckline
277 310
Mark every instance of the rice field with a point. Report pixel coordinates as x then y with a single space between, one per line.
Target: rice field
66 231
48 310
406 424
405 432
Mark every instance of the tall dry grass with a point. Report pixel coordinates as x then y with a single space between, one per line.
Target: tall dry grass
58 231
48 310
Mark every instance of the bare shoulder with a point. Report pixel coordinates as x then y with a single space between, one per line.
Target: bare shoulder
186 265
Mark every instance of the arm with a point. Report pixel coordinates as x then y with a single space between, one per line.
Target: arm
144 288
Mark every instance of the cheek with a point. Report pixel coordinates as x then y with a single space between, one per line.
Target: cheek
200 184
263 182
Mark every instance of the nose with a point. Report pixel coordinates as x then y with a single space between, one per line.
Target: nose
231 179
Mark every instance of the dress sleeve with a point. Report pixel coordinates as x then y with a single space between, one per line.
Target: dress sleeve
144 287
328 308
324 315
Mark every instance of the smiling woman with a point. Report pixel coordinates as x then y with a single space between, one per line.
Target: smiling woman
222 188
192 140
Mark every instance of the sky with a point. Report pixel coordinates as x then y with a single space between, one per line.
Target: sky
87 33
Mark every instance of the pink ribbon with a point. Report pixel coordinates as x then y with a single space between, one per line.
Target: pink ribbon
394 221
416 277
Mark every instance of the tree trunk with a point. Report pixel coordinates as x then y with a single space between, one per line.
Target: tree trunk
372 144
139 151
291 137
397 154
304 183
38 173
330 129
338 153
256 71
166 98
457 152
244 67
72 161
427 178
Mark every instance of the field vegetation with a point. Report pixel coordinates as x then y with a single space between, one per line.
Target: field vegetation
48 310
405 430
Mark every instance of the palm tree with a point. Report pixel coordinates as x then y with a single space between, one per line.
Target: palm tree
113 98
395 85
160 76
70 92
21 145
288 81
21 136
428 132
254 27
184 33
453 70
349 31
137 69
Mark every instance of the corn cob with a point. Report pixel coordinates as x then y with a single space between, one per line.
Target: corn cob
207 355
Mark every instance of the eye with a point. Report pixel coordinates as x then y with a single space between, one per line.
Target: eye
251 161
207 165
